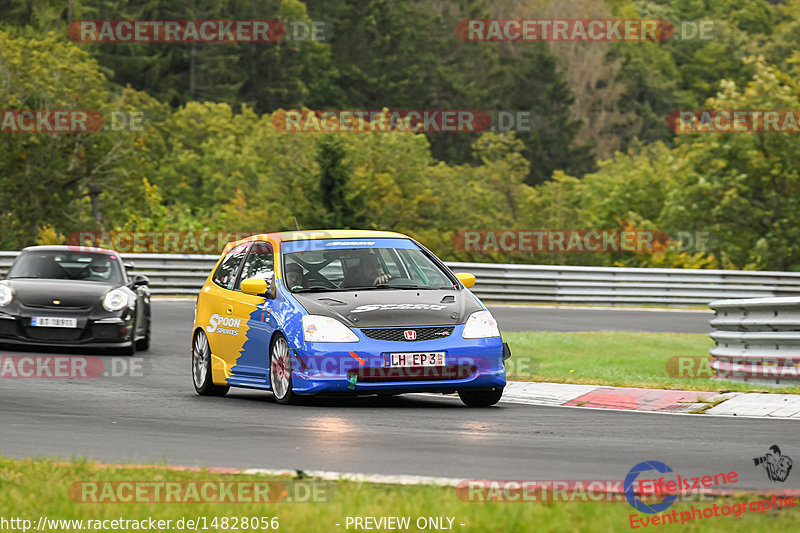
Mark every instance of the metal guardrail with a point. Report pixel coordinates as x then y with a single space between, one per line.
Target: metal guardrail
625 286
184 275
757 338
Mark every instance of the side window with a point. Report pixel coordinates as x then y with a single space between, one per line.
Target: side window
260 263
225 274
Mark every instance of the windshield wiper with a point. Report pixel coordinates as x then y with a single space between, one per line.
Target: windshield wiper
405 287
316 289
391 287
420 288
366 287
37 277
379 286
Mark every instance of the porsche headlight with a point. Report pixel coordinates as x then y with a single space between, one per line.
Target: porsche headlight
480 325
318 328
115 300
6 294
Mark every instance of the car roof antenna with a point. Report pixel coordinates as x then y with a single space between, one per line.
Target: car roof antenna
295 222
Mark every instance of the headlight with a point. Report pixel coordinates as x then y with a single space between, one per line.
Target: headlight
325 329
115 300
481 324
6 294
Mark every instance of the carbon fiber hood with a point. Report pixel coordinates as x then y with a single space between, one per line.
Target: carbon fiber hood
387 308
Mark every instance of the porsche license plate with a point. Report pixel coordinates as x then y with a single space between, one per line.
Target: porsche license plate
53 322
394 360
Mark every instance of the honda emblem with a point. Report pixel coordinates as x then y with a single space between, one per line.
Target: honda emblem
410 334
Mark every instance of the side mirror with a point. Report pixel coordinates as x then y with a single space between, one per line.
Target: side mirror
141 280
128 266
255 286
467 279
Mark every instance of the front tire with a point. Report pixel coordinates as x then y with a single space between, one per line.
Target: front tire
201 368
130 351
144 344
481 398
280 371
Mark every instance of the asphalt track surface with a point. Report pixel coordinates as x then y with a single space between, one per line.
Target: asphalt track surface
158 417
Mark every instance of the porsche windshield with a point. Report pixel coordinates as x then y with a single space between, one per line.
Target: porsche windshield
360 268
67 265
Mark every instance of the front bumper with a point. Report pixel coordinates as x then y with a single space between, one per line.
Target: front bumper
331 368
94 329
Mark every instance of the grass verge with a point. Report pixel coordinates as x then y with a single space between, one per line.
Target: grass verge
33 488
616 358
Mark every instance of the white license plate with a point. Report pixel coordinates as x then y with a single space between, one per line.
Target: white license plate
415 359
53 322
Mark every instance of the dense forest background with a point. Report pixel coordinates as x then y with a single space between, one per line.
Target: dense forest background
600 154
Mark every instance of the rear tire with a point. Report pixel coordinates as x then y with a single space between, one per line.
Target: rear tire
280 371
481 398
201 368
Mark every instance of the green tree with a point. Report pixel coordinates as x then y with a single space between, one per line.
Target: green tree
54 178
342 208
407 55
745 187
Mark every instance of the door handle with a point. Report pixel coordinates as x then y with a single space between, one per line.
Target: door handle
229 309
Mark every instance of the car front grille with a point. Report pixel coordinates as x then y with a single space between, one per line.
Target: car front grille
8 327
53 334
398 334
106 331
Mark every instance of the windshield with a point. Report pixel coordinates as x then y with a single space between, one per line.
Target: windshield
82 266
343 268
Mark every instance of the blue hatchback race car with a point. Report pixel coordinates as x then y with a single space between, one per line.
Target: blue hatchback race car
343 312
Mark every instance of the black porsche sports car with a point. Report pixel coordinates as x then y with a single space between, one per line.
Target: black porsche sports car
74 296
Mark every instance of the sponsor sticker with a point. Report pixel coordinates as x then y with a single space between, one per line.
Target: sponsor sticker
396 307
229 325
